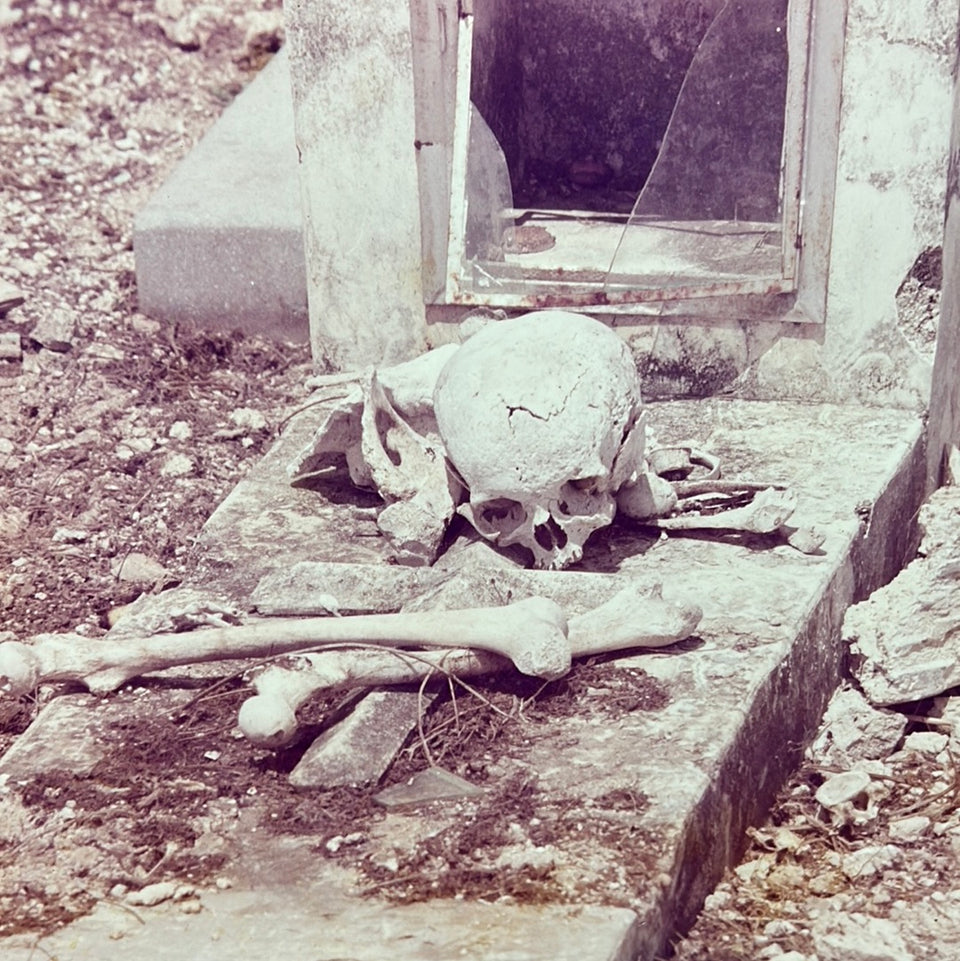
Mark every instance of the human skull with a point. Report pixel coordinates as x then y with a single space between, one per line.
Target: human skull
541 417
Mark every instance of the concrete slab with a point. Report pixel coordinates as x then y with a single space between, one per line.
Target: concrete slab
744 701
221 242
738 702
74 732
310 922
359 748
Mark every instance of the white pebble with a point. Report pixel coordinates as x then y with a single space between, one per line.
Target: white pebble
926 742
153 894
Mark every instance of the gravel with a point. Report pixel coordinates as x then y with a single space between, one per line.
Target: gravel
119 436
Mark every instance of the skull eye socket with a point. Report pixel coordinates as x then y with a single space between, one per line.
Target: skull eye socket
499 509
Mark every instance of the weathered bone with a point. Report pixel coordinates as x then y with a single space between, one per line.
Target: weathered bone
532 633
542 417
769 510
634 617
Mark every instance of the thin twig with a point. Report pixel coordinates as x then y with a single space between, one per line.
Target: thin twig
427 753
307 406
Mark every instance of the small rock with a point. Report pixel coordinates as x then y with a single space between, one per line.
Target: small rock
10 295
69 535
177 465
518 856
55 331
19 55
10 347
139 569
770 952
909 828
104 352
131 446
870 860
841 788
925 742
719 899
180 430
13 522
248 419
145 325
807 540
153 894
193 906
857 937
830 882
755 870
853 730
343 840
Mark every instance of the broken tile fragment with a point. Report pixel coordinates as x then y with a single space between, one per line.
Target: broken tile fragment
10 296
358 749
140 569
10 349
433 784
73 733
65 737
55 330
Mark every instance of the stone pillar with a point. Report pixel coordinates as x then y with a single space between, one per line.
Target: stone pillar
353 94
943 422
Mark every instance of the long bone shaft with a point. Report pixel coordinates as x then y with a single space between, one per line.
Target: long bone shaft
634 617
532 633
769 510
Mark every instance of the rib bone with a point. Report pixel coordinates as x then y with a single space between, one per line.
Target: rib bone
634 617
532 633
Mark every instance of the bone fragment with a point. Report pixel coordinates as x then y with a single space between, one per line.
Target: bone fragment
532 633
634 617
409 388
667 460
269 718
411 475
769 510
647 496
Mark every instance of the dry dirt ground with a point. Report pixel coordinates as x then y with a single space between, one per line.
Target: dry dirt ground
119 436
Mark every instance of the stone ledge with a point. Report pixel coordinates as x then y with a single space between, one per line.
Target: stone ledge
743 699
221 242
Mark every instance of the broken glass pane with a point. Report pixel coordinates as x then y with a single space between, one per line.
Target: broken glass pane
489 195
619 147
711 205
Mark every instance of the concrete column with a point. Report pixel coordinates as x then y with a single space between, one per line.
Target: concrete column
353 94
943 422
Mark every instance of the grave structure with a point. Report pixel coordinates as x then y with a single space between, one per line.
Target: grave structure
774 284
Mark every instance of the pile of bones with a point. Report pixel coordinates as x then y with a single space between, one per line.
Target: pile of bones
539 461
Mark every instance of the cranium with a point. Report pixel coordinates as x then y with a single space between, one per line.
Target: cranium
541 417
